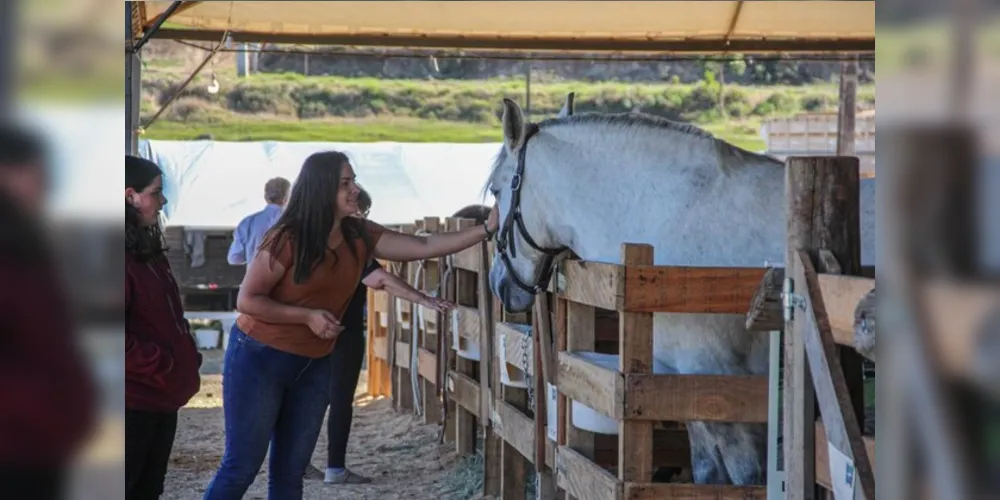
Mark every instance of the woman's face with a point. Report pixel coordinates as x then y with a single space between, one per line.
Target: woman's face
25 184
148 202
347 193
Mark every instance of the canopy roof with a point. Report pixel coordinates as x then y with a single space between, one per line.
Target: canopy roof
592 26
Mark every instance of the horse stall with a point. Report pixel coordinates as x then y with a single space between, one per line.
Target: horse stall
402 335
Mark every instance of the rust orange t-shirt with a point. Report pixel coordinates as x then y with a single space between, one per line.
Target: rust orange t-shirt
330 287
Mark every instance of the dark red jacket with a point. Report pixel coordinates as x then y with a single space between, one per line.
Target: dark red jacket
161 359
47 393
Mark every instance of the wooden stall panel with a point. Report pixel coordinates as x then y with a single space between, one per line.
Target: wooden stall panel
464 391
468 323
427 365
684 398
646 491
592 283
841 295
581 478
591 384
717 290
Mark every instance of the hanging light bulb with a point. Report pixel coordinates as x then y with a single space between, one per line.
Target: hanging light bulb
213 88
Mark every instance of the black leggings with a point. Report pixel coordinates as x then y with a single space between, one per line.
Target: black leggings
149 437
32 483
346 361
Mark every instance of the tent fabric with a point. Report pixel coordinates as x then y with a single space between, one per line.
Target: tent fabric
695 21
213 185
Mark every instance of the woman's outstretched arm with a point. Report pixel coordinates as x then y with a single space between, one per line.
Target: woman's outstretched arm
406 247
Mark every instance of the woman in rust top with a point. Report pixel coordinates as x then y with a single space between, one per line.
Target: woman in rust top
277 366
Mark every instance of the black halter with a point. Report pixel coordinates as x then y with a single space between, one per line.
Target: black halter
505 237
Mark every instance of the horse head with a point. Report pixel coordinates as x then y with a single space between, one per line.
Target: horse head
525 248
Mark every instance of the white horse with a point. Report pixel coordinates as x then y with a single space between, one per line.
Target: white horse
592 182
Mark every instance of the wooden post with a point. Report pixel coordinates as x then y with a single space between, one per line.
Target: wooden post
429 281
489 381
848 108
929 194
635 340
465 294
133 81
822 209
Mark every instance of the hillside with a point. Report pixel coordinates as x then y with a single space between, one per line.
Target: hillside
369 105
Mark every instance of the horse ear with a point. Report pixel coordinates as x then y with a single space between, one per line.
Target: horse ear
567 109
514 126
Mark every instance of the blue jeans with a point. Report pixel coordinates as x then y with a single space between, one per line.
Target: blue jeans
269 397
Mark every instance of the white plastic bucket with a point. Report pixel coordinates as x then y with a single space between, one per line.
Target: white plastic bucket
207 338
402 317
465 348
588 419
518 379
585 417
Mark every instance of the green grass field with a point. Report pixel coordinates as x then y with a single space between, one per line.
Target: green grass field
258 128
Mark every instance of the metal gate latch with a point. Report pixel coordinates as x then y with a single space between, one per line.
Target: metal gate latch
791 300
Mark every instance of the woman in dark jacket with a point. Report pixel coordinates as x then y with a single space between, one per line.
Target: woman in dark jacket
46 389
161 360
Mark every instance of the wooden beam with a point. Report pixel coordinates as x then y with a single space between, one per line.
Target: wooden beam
583 479
823 456
468 260
717 290
427 366
464 391
647 288
567 44
841 294
515 428
765 313
843 430
957 315
685 398
647 491
591 384
595 284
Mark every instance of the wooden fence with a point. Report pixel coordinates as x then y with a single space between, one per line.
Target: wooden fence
494 363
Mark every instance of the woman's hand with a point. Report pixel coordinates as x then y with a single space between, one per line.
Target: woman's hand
438 304
324 324
493 221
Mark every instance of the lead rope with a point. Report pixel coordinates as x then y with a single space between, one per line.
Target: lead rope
415 328
442 352
525 343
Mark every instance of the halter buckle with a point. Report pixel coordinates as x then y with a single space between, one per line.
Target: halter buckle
515 182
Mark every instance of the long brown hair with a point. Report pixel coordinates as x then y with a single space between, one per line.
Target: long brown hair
310 214
143 243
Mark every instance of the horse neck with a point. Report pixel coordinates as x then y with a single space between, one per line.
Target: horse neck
588 182
591 179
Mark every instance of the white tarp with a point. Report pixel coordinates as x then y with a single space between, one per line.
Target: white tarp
213 184
84 144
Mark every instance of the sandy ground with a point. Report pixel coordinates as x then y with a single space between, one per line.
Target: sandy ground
394 448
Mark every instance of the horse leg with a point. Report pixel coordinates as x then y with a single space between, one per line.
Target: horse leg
744 451
707 466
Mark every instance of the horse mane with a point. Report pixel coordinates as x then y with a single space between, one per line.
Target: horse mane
730 156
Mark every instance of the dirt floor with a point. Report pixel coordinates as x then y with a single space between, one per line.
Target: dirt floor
394 448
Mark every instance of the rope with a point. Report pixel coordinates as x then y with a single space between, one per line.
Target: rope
177 93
